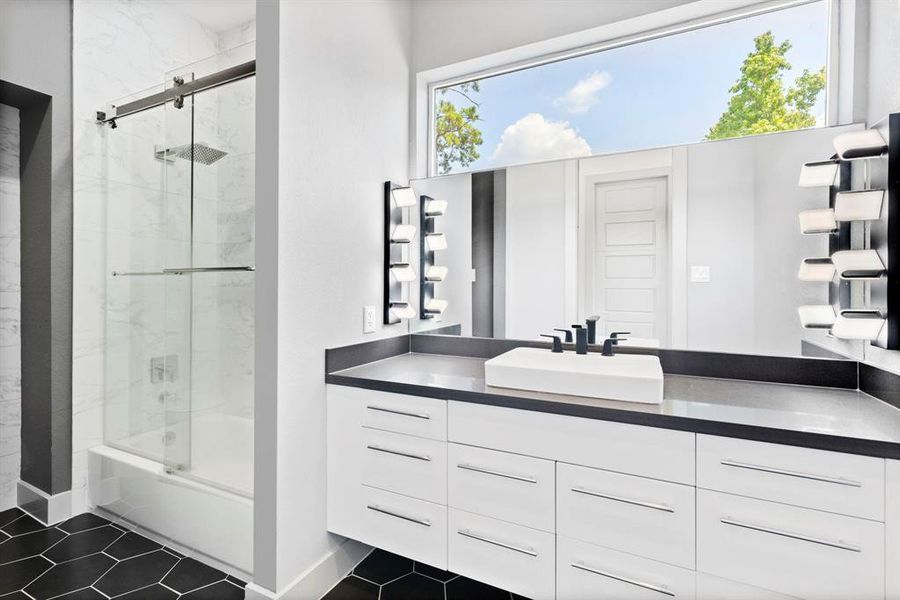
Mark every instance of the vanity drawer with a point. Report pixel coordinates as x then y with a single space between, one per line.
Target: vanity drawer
587 571
509 487
404 464
831 481
412 415
640 516
795 551
710 587
412 528
647 451
511 557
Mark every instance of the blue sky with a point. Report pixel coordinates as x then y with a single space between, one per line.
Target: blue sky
666 91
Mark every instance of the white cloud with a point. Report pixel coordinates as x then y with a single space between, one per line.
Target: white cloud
583 95
533 138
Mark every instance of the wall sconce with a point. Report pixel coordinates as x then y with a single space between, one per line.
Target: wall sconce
397 237
864 205
860 144
858 264
429 242
858 325
435 273
820 220
816 269
815 316
435 307
822 173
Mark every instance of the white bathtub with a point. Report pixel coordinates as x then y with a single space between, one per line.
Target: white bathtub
213 519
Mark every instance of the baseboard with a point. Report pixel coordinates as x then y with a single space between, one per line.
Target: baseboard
316 581
46 508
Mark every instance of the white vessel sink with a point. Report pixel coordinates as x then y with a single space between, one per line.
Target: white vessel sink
626 377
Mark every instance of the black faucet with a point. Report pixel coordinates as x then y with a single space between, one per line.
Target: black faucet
609 345
592 329
614 336
557 343
567 332
581 339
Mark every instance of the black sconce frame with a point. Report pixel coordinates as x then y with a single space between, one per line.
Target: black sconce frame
426 258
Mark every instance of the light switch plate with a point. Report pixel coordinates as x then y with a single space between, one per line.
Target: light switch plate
699 274
368 319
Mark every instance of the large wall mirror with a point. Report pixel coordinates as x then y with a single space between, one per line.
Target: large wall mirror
694 247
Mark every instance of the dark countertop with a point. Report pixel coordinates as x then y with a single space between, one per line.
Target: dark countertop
815 417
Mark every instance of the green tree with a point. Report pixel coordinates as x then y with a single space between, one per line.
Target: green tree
759 103
456 135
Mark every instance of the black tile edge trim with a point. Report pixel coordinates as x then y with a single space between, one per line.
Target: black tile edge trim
344 357
822 372
804 439
882 384
445 330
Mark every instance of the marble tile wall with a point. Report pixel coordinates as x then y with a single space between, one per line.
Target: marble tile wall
132 212
10 340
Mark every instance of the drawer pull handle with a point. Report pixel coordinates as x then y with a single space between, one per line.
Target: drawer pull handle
475 536
764 469
469 467
399 412
640 584
652 505
795 536
423 457
391 513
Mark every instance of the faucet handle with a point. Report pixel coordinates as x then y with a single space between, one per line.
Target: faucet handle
614 336
567 332
609 345
557 343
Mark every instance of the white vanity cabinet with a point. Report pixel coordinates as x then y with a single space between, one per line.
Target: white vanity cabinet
553 506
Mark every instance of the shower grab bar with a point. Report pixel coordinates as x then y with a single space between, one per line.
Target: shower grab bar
182 271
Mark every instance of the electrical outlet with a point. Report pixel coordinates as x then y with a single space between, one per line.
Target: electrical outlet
699 274
369 319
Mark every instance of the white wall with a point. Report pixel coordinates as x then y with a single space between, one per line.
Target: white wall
10 304
884 59
343 131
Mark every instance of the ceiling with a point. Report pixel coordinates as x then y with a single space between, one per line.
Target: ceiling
218 15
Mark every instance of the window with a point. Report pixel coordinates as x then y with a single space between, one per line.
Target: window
753 75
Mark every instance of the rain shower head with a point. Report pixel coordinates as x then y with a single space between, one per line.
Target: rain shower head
199 152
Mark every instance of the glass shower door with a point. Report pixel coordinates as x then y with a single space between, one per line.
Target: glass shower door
210 282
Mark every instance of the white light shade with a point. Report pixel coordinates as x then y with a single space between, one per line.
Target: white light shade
820 220
403 272
435 208
858 325
403 234
864 205
403 197
816 269
860 144
858 264
435 273
816 316
435 306
403 310
435 241
818 174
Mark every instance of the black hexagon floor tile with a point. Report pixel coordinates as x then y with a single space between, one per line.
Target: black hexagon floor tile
73 575
10 515
463 588
223 590
131 544
380 567
17 575
83 543
29 544
153 592
24 524
136 573
353 588
85 594
190 574
413 586
429 571
83 522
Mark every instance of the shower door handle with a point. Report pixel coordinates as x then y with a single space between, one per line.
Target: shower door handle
183 270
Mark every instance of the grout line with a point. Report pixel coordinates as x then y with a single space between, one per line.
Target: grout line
202 587
99 592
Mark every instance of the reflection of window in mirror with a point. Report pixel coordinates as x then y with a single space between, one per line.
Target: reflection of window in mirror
752 75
